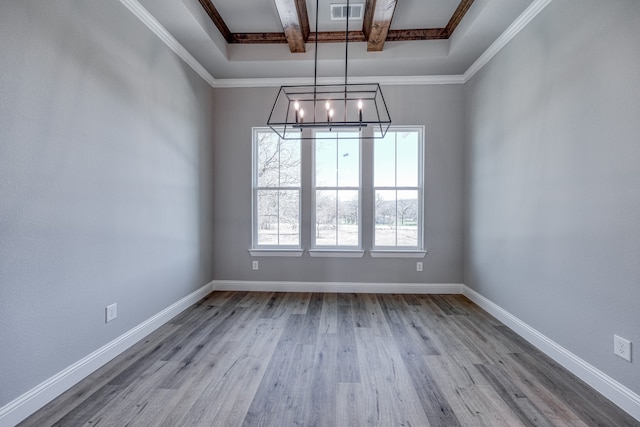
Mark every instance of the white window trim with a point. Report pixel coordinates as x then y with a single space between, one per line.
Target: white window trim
338 250
403 251
335 253
255 247
276 253
400 253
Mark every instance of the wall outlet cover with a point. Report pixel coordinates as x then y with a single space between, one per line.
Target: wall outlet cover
111 312
622 348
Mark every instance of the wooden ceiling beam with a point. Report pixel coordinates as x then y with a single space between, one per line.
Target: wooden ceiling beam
217 20
418 34
295 22
336 37
457 16
259 38
377 20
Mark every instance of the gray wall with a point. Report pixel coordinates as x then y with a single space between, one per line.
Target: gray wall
553 179
105 182
439 108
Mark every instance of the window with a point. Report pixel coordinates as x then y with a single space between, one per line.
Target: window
276 191
336 192
309 196
397 182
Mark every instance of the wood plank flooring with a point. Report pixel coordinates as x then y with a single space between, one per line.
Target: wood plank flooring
302 359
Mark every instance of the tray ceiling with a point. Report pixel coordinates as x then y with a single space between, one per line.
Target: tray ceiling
275 39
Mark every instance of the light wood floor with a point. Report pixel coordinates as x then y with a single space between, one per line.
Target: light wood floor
285 359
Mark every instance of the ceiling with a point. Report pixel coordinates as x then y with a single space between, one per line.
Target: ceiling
275 39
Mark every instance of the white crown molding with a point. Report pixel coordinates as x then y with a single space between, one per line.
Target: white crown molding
420 80
23 406
299 81
619 394
268 82
518 25
152 23
338 287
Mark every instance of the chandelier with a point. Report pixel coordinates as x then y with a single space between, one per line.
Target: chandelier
348 106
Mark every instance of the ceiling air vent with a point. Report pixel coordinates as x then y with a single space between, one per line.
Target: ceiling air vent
339 12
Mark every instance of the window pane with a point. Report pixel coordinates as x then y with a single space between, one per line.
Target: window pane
326 161
337 165
290 163
407 218
348 218
289 209
407 159
384 161
268 162
385 217
326 217
349 162
267 205
277 196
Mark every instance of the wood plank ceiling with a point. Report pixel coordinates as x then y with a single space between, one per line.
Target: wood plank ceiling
376 27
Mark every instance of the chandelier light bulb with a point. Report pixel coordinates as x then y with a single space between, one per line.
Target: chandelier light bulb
296 106
327 105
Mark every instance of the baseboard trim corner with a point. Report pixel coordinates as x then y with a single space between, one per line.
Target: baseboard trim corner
338 287
613 390
28 403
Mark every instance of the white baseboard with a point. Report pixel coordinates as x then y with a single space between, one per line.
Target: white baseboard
25 405
622 396
338 287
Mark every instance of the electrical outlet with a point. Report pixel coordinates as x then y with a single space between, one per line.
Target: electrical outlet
622 348
255 265
111 312
419 266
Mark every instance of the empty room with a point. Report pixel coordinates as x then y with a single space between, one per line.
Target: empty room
319 213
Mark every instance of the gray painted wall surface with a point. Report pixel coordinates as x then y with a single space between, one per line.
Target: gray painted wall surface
105 182
553 179
438 108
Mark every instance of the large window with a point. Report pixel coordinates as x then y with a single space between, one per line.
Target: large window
336 192
309 196
397 182
276 187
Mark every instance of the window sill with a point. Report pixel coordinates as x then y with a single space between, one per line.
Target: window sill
336 253
397 254
276 252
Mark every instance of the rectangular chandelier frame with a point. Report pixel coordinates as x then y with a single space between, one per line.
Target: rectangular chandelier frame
335 107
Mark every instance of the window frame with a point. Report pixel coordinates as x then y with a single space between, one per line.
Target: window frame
342 250
262 249
418 249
